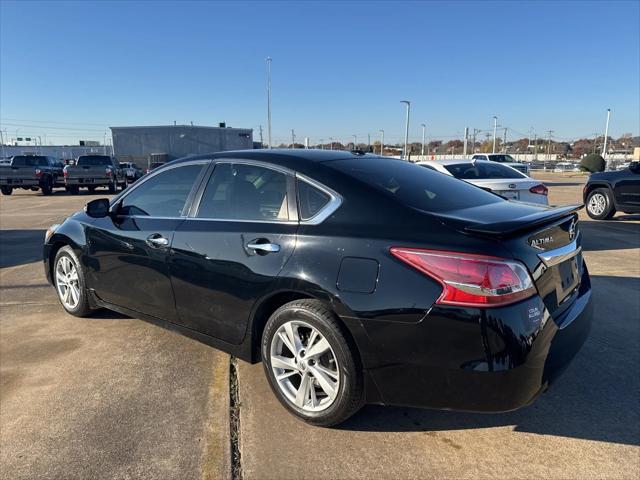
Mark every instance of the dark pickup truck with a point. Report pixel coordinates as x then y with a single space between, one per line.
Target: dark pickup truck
31 172
91 171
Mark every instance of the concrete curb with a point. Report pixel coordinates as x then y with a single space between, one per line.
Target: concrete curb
216 461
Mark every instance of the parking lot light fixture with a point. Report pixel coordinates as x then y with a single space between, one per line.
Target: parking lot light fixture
381 142
406 130
268 60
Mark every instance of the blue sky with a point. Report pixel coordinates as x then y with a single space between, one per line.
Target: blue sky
339 68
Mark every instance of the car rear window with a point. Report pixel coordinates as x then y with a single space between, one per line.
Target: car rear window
414 185
481 171
28 161
94 160
502 158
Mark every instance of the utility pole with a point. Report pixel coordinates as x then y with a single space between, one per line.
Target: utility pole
550 132
406 130
261 142
535 146
424 129
330 143
368 142
466 142
322 143
504 143
269 100
354 142
381 143
293 139
606 135
495 127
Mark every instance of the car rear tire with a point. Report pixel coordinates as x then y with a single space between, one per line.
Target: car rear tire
47 186
68 278
600 204
320 382
91 189
113 186
6 190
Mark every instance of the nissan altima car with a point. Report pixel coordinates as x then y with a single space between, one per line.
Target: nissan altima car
353 278
495 177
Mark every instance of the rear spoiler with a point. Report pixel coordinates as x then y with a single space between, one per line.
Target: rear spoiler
523 223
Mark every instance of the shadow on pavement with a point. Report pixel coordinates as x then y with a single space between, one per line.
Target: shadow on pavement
595 399
610 235
18 247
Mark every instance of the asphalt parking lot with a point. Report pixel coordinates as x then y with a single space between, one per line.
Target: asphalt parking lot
115 397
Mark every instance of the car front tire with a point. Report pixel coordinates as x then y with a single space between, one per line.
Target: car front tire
68 278
600 204
310 364
6 190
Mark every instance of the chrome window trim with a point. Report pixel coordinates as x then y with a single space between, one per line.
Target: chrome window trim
118 198
335 200
291 202
559 255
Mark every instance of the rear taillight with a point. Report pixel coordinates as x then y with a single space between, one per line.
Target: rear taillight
539 189
108 172
471 280
38 173
65 172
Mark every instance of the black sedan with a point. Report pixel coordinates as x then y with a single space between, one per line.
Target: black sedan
354 278
608 192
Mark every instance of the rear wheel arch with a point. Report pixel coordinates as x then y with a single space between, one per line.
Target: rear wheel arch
268 306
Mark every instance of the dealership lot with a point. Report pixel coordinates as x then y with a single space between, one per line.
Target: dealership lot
114 397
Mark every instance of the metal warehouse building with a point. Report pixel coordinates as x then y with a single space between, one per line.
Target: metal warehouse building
143 145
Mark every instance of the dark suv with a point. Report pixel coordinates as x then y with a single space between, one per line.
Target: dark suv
608 192
353 278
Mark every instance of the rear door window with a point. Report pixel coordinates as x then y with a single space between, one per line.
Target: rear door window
413 185
245 192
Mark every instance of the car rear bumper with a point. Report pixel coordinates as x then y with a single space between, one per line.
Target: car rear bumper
494 360
20 182
87 182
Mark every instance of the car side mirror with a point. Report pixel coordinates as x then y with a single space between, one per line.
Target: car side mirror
98 208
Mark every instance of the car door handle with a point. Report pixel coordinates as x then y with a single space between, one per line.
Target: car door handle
264 247
156 240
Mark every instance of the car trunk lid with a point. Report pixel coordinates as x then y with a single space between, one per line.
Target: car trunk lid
546 239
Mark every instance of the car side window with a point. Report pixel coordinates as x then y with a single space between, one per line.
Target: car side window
245 192
163 195
310 200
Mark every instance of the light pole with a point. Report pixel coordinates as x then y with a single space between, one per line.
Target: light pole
381 143
466 141
293 139
330 143
424 129
269 100
606 135
322 143
406 130
354 143
495 127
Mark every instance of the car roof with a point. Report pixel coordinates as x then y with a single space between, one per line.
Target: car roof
454 161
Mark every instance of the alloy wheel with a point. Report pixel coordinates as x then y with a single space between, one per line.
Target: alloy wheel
597 204
67 283
304 366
